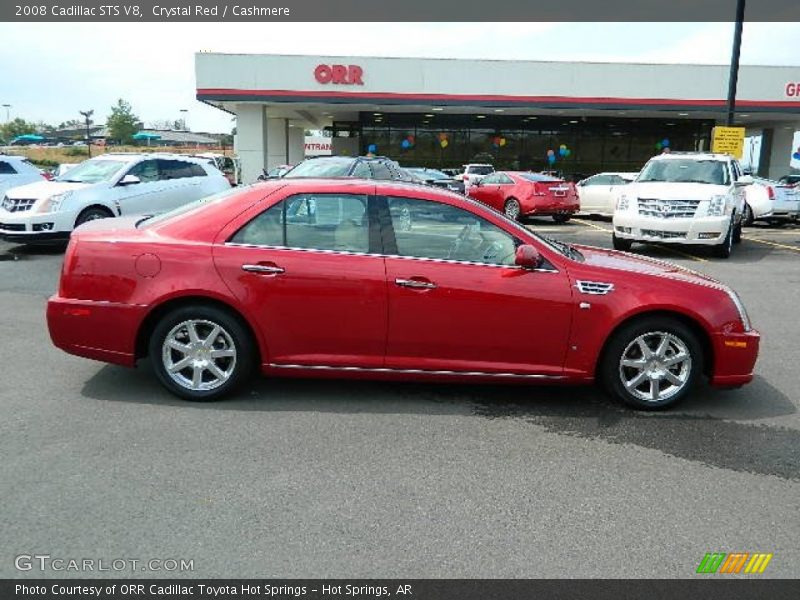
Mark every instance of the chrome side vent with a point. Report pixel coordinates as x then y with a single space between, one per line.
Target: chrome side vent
594 288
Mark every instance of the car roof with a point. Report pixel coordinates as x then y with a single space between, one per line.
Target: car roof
690 155
133 156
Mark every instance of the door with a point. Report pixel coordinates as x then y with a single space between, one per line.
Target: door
140 198
594 193
305 271
489 191
458 303
181 182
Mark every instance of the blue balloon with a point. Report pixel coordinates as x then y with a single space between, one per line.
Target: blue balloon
665 142
551 159
405 144
372 148
562 151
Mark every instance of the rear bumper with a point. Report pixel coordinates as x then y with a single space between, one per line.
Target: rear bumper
548 206
104 331
735 356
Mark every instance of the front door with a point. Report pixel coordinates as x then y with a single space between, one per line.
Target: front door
458 303
305 271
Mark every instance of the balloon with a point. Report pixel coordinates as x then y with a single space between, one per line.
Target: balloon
442 137
410 139
551 158
443 143
405 144
372 148
665 142
562 151
502 141
568 152
658 145
550 153
562 147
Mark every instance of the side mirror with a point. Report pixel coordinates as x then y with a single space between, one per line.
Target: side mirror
129 180
745 180
527 257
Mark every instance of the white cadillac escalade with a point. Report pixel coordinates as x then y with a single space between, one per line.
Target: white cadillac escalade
683 198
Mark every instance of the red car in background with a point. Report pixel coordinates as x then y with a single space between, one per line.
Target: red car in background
390 280
520 194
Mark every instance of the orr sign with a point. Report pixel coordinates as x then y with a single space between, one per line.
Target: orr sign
339 74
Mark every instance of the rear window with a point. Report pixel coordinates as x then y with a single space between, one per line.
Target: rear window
538 177
6 168
326 167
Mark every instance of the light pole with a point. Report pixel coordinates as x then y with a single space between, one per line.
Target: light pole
733 78
184 112
8 108
86 115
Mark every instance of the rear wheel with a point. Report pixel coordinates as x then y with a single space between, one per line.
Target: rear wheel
621 243
561 218
512 209
747 217
92 214
652 363
201 353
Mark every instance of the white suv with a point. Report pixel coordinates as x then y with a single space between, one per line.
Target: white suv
473 173
106 186
683 198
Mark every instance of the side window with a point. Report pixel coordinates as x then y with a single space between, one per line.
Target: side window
174 169
599 180
146 171
196 170
362 170
428 229
503 178
6 168
737 172
490 179
312 221
380 171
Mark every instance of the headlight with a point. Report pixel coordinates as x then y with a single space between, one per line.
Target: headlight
622 202
716 206
737 302
53 203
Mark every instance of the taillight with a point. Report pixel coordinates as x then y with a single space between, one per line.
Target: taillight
771 192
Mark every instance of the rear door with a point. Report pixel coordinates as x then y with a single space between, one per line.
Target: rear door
309 271
489 190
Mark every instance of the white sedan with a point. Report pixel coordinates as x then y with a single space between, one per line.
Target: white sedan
768 200
598 194
109 185
16 171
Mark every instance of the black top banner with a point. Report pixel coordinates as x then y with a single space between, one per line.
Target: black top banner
408 589
394 10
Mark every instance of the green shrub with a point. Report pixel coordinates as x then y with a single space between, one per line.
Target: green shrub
77 151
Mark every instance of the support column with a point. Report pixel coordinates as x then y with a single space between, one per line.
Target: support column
277 142
297 145
251 140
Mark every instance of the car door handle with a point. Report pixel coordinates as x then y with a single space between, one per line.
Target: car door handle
264 269
418 284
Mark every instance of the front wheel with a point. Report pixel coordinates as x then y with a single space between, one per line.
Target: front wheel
724 249
201 353
92 214
652 363
621 243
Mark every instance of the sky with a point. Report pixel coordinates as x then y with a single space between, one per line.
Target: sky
50 71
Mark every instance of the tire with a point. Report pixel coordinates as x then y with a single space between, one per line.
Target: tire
93 213
723 250
621 243
748 217
737 233
512 209
233 368
561 218
662 384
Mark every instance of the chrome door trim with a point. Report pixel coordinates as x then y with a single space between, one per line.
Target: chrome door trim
269 270
414 283
416 371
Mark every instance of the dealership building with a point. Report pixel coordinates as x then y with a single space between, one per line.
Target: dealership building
576 117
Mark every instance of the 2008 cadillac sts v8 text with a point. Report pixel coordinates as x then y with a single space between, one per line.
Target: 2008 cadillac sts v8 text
365 279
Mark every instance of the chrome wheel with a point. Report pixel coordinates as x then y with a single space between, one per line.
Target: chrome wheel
198 355
512 209
655 366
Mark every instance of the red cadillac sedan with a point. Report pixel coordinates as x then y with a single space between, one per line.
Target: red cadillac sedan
520 194
368 279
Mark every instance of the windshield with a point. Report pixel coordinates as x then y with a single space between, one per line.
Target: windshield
92 171
685 170
185 208
481 170
325 167
427 173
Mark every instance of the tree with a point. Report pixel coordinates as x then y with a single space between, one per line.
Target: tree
10 130
122 123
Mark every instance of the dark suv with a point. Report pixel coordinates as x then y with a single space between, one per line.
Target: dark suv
365 167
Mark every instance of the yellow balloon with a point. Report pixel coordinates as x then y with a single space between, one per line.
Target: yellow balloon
502 141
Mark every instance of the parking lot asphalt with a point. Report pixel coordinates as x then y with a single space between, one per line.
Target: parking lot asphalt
326 479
